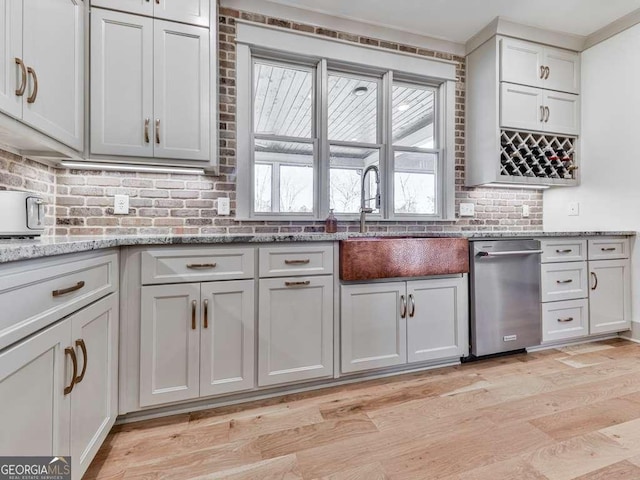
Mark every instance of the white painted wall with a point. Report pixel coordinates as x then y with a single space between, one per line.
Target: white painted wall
609 193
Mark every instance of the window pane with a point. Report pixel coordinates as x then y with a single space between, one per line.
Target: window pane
347 165
262 192
413 117
353 109
291 176
283 100
415 183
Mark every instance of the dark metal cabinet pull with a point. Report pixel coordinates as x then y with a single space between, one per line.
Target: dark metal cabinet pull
548 114
541 113
34 93
23 84
201 265
64 291
205 315
412 303
158 131
608 249
566 250
74 361
297 262
403 307
146 130
80 343
297 284
595 278
564 281
542 70
193 314
547 72
564 320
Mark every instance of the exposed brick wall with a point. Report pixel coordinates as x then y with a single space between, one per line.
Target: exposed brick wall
17 173
171 203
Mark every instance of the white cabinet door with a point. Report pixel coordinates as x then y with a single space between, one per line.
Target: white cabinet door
94 400
521 62
169 343
295 327
11 78
610 296
227 337
53 50
121 84
563 70
373 326
562 114
181 91
436 319
185 11
139 7
521 107
35 411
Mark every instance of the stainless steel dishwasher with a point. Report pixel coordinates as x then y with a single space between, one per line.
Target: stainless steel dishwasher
505 295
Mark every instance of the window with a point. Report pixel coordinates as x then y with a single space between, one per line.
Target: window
309 127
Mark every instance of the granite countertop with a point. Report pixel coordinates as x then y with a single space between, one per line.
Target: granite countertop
22 249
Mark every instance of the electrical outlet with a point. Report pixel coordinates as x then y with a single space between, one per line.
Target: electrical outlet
224 206
467 209
574 209
525 211
121 204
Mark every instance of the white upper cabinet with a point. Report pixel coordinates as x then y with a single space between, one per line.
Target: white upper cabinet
42 71
187 11
535 65
562 114
150 89
11 63
121 84
195 12
181 91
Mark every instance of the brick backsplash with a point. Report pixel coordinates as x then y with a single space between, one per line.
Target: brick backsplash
184 204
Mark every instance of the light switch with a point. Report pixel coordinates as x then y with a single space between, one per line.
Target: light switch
467 209
224 206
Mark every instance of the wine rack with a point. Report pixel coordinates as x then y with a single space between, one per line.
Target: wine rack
537 155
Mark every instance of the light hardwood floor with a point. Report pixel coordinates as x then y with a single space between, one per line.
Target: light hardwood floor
570 413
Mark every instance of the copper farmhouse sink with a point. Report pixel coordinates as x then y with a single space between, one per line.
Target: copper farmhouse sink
385 257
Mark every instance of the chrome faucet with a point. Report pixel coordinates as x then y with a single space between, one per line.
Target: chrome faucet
363 208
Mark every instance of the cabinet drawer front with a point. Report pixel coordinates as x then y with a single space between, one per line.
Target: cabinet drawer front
36 294
294 260
561 320
563 250
564 281
176 265
608 248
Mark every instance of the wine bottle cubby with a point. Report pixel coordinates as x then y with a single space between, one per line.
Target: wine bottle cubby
537 155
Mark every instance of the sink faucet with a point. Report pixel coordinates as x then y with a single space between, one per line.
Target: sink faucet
363 208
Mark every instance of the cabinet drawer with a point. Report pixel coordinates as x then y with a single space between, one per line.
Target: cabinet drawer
176 265
608 248
296 260
36 293
563 250
564 281
562 320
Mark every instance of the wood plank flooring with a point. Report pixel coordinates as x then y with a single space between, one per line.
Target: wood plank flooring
568 413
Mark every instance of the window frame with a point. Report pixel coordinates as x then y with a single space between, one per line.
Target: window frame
444 128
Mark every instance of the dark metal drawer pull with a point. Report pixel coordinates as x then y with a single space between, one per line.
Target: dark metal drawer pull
193 314
297 262
72 353
297 284
80 343
205 315
564 281
567 250
201 265
564 320
64 291
608 249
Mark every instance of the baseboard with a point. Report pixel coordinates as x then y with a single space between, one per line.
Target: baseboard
578 341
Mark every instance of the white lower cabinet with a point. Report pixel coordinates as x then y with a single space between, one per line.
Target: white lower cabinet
392 323
610 296
59 387
196 339
564 320
295 326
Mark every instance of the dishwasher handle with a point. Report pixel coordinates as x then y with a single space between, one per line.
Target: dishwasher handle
509 253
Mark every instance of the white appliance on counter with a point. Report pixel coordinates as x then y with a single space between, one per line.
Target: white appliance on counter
22 214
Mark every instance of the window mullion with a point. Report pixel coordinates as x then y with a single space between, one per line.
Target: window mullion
386 154
322 126
275 187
